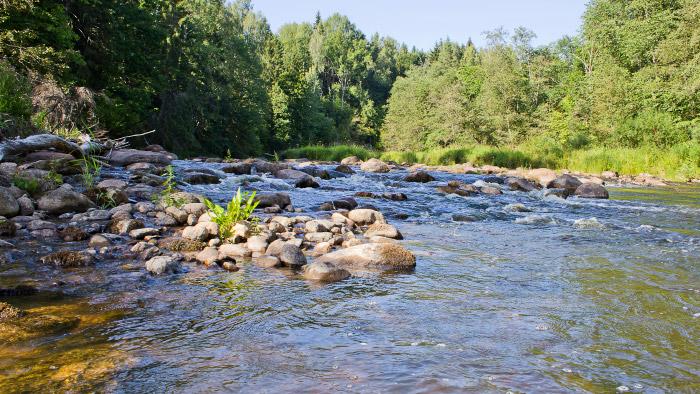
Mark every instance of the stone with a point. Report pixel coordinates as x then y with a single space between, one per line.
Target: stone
490 190
200 178
341 203
26 206
63 200
271 199
201 231
145 207
163 265
267 261
72 234
366 216
374 165
142 233
306 182
68 258
111 184
257 243
9 206
99 241
289 173
230 266
344 169
591 190
566 182
291 256
383 230
195 208
209 256
321 248
180 215
125 226
316 226
182 245
543 176
318 237
351 160
419 177
125 157
237 168
460 191
324 272
231 251
520 184
372 256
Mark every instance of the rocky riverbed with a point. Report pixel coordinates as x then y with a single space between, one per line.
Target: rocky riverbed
75 261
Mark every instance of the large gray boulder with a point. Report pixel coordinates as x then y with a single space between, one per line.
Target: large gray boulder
374 165
591 190
520 184
64 200
366 216
9 206
324 272
162 265
271 199
124 157
566 182
371 257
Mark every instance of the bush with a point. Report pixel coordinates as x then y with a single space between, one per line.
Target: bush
14 93
652 128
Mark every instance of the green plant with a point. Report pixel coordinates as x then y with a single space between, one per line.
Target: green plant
54 177
167 197
104 199
240 208
228 158
29 185
91 169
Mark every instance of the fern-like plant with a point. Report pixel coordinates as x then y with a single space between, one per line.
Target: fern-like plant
238 209
167 196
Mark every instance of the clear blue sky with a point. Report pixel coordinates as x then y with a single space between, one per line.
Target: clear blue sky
422 23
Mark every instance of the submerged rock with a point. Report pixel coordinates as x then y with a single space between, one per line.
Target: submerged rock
591 190
372 256
68 258
324 272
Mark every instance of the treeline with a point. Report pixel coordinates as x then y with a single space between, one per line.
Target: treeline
631 79
211 78
208 76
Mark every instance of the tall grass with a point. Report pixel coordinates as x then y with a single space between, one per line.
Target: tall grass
680 162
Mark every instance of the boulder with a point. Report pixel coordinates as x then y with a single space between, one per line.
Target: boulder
520 184
306 181
200 178
289 173
64 200
209 256
318 237
318 226
201 231
125 226
374 165
566 182
345 169
372 256
231 251
141 233
351 160
460 191
383 230
420 177
9 206
366 216
163 265
26 206
273 199
324 272
111 184
591 190
125 157
99 241
237 168
490 190
542 176
342 203
267 261
291 256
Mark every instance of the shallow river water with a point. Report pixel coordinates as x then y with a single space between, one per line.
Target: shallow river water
574 296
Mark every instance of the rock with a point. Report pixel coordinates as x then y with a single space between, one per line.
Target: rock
72 234
145 207
142 167
324 272
374 165
516 207
543 176
366 216
460 217
490 190
180 215
142 233
63 200
271 199
125 157
420 177
163 265
68 258
125 226
316 226
9 206
257 243
609 174
209 256
342 203
267 261
566 182
237 168
289 173
111 184
182 244
231 251
351 160
40 225
196 208
99 241
7 228
321 248
520 184
200 178
460 191
345 169
591 190
201 231
372 256
230 266
383 230
26 206
263 166
291 256
560 193
48 155
9 312
305 182
318 237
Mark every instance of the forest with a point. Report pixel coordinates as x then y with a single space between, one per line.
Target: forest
212 78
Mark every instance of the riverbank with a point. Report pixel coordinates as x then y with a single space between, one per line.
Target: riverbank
680 163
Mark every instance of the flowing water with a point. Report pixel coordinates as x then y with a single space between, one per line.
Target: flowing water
573 296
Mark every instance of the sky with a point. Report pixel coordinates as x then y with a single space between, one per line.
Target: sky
422 23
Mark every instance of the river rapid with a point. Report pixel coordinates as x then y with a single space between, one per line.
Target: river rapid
564 296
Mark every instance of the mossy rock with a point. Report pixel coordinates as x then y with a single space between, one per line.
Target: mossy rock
72 233
182 245
7 228
68 258
27 327
9 312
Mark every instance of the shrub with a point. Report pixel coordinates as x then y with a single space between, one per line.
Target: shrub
14 93
238 209
652 128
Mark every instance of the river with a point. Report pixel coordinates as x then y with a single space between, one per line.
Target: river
573 296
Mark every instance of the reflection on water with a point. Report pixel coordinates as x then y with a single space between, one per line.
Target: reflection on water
508 302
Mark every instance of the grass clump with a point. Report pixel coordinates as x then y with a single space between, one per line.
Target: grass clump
240 208
167 197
